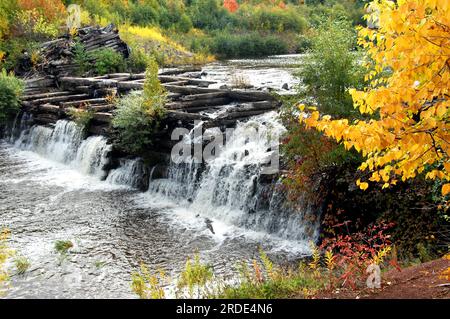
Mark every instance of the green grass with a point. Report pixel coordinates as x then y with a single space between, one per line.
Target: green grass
22 264
63 246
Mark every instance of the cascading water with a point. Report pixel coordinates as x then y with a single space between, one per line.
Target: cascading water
64 144
132 173
229 187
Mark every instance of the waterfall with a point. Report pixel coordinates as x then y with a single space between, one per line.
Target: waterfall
64 143
131 172
231 187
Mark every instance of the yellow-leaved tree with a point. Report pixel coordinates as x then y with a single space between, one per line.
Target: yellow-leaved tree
406 132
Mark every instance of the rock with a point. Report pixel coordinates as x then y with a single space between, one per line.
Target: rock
209 225
285 86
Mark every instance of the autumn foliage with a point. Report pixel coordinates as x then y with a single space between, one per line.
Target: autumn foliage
406 131
231 5
50 9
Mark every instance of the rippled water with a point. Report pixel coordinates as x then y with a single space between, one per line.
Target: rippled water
271 72
42 201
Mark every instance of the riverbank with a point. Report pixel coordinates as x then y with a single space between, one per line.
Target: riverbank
422 281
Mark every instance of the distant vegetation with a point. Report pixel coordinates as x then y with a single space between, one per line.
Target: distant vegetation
169 29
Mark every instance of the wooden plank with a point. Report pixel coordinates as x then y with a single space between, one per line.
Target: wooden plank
199 102
58 99
84 102
28 97
102 117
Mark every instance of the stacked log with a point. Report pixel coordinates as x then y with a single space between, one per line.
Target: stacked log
189 99
57 55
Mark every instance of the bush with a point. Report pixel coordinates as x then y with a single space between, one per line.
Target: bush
226 45
268 18
80 59
11 89
209 14
138 113
5 253
138 60
108 61
82 117
304 44
331 69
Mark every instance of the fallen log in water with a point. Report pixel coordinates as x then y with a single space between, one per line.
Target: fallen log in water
192 81
246 95
84 102
102 117
203 96
199 102
183 116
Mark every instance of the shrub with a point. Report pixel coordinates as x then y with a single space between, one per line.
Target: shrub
82 117
304 44
11 89
63 246
209 14
332 68
147 285
195 274
80 59
5 253
138 60
226 45
22 264
138 113
107 61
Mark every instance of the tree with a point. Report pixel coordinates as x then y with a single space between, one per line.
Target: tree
407 99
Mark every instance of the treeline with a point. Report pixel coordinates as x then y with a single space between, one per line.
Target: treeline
228 28
225 28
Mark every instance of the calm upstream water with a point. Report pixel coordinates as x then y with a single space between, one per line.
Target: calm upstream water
52 187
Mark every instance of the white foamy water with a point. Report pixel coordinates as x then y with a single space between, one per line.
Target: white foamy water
229 193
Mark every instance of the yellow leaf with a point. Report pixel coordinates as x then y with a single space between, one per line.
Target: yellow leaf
445 189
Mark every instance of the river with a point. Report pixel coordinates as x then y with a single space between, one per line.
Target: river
53 188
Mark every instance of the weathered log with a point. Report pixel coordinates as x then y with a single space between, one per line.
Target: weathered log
102 117
49 108
204 96
176 71
242 95
239 115
102 108
45 118
58 99
130 85
86 102
260 105
190 89
199 102
28 97
183 116
99 129
199 82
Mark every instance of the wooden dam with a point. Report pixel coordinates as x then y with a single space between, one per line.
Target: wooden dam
52 90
